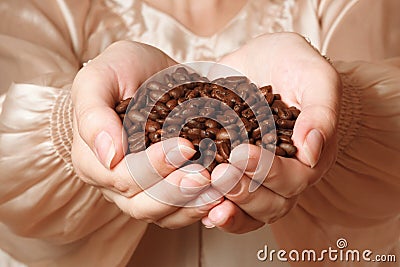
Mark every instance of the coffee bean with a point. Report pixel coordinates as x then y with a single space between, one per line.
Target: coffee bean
153 116
258 142
182 70
285 139
256 133
180 77
173 128
152 126
236 79
247 113
236 143
193 123
222 134
136 116
192 94
285 124
168 81
295 112
219 81
207 112
176 92
280 151
161 109
211 133
211 123
289 149
277 104
285 132
285 114
270 98
195 132
122 106
155 95
155 136
153 85
136 142
220 159
269 138
188 112
265 90
251 100
171 104
247 124
243 87
224 150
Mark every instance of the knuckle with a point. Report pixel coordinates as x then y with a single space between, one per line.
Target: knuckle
296 189
168 225
284 209
243 196
120 184
139 215
196 213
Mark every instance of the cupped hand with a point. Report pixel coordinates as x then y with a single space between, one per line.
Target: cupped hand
306 80
98 143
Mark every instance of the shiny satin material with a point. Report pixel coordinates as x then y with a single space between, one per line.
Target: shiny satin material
48 217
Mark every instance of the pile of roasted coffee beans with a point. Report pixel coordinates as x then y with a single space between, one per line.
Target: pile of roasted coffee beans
227 114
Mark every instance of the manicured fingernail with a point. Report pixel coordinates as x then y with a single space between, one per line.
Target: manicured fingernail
193 183
207 223
104 148
217 216
179 155
313 146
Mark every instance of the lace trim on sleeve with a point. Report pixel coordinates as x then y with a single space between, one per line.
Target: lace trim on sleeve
350 113
61 126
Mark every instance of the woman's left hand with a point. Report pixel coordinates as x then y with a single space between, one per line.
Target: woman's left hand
306 80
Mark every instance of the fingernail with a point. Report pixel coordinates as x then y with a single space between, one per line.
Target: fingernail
104 148
207 223
254 185
313 146
217 216
179 155
193 183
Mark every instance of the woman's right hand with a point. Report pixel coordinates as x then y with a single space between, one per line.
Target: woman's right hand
98 146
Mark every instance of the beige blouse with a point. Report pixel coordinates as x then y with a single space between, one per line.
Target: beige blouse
49 217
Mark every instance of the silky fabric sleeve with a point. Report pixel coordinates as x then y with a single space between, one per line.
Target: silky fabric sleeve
358 199
48 216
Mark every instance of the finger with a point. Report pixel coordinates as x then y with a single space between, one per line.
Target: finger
192 213
114 75
140 171
230 218
164 198
159 160
316 125
287 177
262 204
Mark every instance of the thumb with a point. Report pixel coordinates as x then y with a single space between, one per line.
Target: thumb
316 125
113 75
101 129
